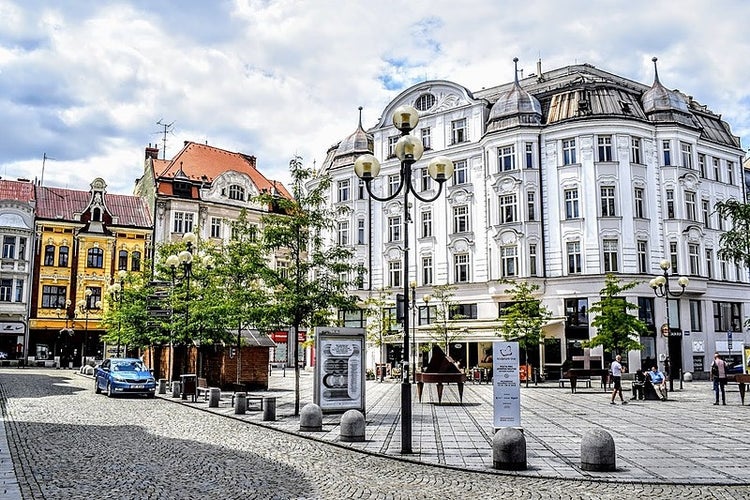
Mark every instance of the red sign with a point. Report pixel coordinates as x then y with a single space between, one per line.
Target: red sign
281 336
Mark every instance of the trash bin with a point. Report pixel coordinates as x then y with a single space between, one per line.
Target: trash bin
269 408
189 382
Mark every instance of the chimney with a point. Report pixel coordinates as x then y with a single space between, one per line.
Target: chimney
152 152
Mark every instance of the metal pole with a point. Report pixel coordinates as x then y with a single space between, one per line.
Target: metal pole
405 383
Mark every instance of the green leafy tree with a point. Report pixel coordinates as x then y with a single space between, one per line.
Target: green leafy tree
316 280
617 330
523 320
380 323
444 332
735 243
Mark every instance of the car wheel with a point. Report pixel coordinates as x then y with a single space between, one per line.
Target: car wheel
97 389
110 392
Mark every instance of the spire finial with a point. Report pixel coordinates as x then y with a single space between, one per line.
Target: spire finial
515 62
656 71
360 116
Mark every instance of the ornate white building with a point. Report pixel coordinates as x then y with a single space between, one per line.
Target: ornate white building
560 178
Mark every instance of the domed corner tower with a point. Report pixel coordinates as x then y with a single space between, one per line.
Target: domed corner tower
514 107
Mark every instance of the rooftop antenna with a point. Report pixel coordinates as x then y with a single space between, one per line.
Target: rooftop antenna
166 126
44 161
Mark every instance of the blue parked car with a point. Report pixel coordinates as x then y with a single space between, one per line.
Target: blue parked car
124 376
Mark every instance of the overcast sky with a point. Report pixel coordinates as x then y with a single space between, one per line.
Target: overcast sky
88 82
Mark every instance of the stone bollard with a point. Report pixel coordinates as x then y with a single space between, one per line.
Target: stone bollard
269 409
598 451
687 377
162 386
311 418
509 449
214 395
240 403
176 389
352 427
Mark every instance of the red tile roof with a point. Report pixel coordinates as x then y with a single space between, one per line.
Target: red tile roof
16 190
61 204
203 163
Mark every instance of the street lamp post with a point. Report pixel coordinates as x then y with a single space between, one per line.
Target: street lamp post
409 150
116 291
660 285
184 259
413 307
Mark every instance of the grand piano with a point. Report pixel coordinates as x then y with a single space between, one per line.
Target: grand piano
440 370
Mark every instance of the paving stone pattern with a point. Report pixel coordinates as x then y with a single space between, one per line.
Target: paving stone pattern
67 442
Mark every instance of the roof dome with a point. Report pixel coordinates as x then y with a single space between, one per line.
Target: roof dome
356 143
659 98
516 102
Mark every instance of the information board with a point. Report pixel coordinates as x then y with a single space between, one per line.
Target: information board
339 371
506 385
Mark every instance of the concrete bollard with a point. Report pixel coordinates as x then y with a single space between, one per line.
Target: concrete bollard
598 451
352 427
269 409
214 395
687 377
176 389
311 418
240 403
509 449
162 386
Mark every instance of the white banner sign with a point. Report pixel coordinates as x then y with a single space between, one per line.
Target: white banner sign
506 385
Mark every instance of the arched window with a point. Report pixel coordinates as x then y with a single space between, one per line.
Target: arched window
49 255
122 260
135 261
236 192
95 258
96 215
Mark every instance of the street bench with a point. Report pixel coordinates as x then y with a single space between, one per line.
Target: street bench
202 388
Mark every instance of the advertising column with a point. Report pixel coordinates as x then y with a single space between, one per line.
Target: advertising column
339 372
506 386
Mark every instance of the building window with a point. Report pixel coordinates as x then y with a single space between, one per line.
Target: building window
427 270
724 269
460 219
394 229
393 184
135 261
122 260
702 164
609 252
463 311
461 173
532 261
673 255
506 158
693 259
690 205
459 132
529 146
361 189
19 291
574 257
509 261
604 146
6 290
394 273
730 172
686 153
49 255
706 209
640 213
635 150
360 232
717 170
670 204
426 138
709 263
96 296
642 249
183 222
425 181
531 205
215 227
392 145
53 297
236 192
9 247
95 258
569 151
646 312
343 233
727 317
461 265
608 201
571 204
343 189
62 256
667 151
426 217
696 322
508 208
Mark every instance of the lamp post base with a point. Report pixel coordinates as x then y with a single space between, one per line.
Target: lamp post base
405 418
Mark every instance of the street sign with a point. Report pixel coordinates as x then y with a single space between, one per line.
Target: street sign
729 341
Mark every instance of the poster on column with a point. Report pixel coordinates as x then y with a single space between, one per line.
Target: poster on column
506 385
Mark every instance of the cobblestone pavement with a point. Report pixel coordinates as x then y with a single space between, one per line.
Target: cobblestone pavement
66 443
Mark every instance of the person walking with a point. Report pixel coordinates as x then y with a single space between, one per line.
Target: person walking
616 370
719 376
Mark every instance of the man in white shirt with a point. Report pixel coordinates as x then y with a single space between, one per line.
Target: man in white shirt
616 370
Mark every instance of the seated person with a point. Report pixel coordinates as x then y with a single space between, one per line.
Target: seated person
638 381
659 381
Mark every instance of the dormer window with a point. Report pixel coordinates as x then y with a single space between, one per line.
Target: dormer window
236 192
96 215
182 189
424 102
